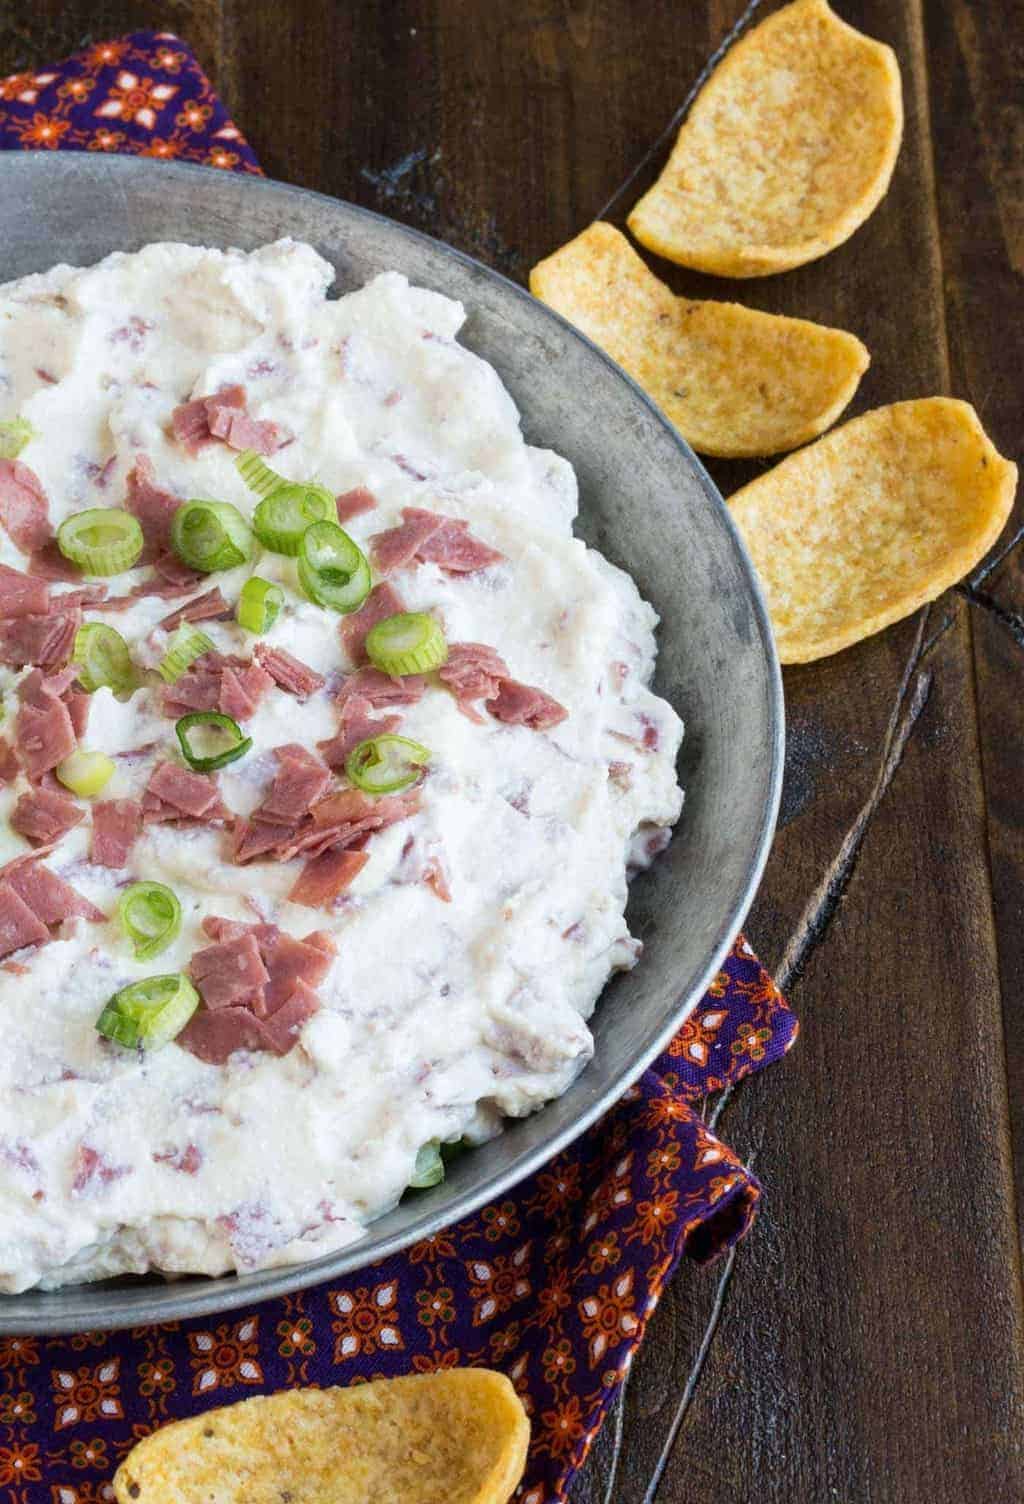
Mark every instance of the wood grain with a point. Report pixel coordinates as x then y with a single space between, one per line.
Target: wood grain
977 67
866 1343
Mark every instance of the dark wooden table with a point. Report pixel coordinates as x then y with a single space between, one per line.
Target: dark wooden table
866 1345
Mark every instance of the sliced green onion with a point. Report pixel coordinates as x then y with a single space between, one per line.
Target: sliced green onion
210 535
102 658
15 433
410 643
150 916
385 764
259 605
186 644
282 517
429 1167
257 474
222 737
85 773
332 569
451 1152
102 540
150 1013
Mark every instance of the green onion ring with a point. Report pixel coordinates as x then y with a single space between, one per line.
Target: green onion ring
102 659
287 507
85 773
211 535
385 764
257 474
259 604
150 1013
429 1167
282 517
411 642
101 540
332 568
185 645
150 916
238 745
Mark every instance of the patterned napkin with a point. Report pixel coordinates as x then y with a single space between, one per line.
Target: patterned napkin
555 1283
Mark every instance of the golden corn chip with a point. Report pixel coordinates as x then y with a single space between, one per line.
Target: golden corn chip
735 382
789 147
455 1437
883 514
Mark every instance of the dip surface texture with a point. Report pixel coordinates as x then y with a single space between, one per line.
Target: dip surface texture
472 945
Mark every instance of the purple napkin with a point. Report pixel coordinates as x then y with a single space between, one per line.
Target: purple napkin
555 1283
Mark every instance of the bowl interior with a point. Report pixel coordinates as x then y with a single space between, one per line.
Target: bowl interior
645 501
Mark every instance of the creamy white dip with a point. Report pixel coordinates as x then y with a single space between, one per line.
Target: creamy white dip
437 1019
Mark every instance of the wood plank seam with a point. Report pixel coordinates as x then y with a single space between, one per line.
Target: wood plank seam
821 908
694 1376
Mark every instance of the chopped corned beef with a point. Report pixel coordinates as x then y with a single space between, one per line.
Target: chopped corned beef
218 681
242 432
354 503
525 705
44 730
230 972
198 688
290 961
299 782
214 1037
258 986
44 641
382 689
223 416
219 928
50 898
398 546
288 672
383 601
44 815
356 724
9 764
473 671
18 925
204 608
431 538
78 703
241 689
325 877
152 505
281 1029
88 597
174 571
453 548
22 594
253 838
48 563
347 805
344 818
190 421
24 507
173 793
115 826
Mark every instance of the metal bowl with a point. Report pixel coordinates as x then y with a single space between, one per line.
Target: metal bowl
646 503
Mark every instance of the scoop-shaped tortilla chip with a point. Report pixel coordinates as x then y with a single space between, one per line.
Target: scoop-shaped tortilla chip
735 382
862 527
455 1437
789 147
